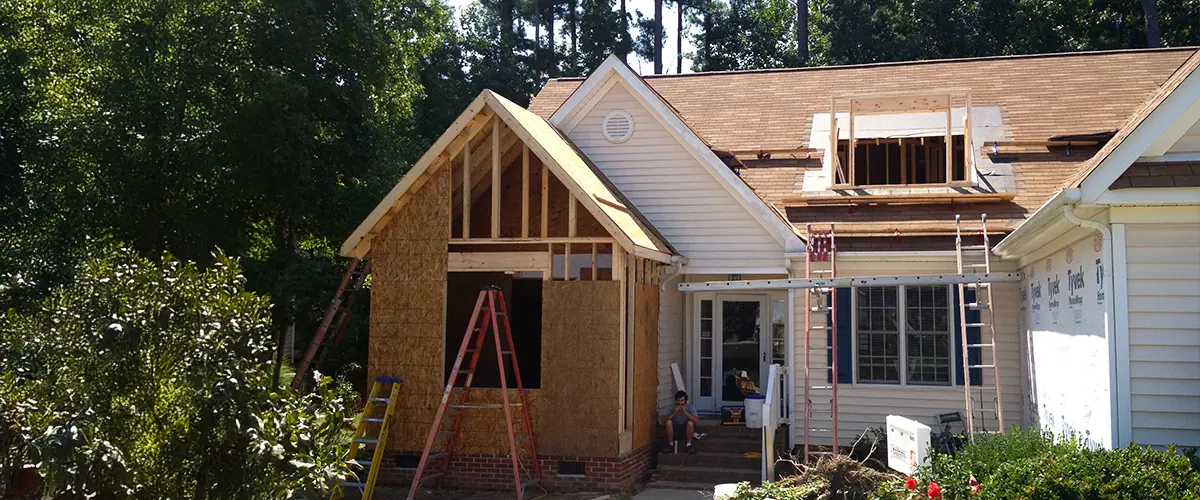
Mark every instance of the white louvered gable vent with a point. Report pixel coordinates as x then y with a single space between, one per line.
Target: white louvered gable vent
617 126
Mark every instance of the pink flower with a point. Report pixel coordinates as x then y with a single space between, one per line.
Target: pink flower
974 488
973 481
910 483
934 491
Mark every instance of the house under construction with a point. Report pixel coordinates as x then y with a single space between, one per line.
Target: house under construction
639 223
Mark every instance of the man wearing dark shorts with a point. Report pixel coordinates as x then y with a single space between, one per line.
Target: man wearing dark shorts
680 417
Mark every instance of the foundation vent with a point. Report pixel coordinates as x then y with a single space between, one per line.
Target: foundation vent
570 468
617 126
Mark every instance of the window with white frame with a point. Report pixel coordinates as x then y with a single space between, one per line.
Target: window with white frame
927 335
920 315
878 334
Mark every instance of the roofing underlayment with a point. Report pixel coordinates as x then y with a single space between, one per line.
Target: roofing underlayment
1037 97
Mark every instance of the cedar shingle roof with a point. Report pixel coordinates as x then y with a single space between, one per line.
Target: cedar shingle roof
1040 96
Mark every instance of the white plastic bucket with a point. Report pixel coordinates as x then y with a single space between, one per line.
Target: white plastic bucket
754 410
724 491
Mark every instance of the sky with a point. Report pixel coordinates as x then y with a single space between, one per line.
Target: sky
647 8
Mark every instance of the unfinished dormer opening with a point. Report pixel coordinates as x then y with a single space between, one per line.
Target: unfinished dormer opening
900 139
894 161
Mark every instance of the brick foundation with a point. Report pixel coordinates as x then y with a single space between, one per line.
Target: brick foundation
494 472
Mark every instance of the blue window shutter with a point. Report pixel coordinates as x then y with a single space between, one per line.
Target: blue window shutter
845 360
975 355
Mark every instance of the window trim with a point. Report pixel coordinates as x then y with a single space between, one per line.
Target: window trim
902 304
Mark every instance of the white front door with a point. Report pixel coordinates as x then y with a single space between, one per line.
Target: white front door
742 342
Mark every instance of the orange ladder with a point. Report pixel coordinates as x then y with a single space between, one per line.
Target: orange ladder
821 248
490 314
337 315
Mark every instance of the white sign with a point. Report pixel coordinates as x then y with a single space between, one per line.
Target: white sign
908 444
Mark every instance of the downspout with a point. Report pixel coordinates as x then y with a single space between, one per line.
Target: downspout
1110 323
677 263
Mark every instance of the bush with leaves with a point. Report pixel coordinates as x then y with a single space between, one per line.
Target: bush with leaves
1029 465
153 380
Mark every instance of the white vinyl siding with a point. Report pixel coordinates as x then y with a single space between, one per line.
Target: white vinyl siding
863 406
1189 143
678 195
670 341
1163 269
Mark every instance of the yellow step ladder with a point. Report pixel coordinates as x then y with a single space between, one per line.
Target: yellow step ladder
360 441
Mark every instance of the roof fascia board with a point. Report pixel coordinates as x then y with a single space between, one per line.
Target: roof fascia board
735 270
1161 124
350 246
1150 196
1063 236
586 200
780 231
577 115
1050 212
1170 157
581 93
1189 214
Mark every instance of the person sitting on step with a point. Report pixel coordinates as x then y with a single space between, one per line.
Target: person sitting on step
680 417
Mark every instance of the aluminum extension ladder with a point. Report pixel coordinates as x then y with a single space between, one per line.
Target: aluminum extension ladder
821 250
360 441
978 258
490 314
337 315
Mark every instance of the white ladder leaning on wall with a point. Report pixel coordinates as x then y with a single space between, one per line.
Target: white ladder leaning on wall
981 261
821 249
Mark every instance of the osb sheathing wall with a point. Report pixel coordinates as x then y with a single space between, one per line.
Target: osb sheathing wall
581 362
408 287
645 365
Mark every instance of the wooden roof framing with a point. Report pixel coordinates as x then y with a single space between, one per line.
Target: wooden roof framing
487 112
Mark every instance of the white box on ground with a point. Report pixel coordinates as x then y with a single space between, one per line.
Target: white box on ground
908 444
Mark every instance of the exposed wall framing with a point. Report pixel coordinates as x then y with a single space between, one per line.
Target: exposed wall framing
843 170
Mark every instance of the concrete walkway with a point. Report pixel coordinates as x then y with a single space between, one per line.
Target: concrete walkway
665 494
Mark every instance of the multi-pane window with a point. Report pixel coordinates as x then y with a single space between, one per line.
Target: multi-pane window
706 347
927 333
878 335
925 356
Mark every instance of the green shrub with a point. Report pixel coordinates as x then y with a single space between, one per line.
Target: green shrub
152 380
1029 465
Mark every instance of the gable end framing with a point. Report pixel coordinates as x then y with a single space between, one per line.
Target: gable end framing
631 233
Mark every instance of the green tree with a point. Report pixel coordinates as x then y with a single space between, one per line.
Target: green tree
146 379
265 128
602 34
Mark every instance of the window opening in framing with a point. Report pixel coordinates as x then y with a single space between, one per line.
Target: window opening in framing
904 161
523 296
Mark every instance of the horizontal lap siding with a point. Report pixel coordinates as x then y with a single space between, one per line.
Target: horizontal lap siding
864 406
670 342
680 197
1163 269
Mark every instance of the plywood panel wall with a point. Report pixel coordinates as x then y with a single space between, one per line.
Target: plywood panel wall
645 365
407 308
581 353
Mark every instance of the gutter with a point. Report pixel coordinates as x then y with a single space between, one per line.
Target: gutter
677 264
1007 248
1110 318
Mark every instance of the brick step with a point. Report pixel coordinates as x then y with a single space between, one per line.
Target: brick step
704 475
709 459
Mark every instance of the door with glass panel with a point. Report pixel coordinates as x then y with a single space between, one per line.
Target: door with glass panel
740 336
